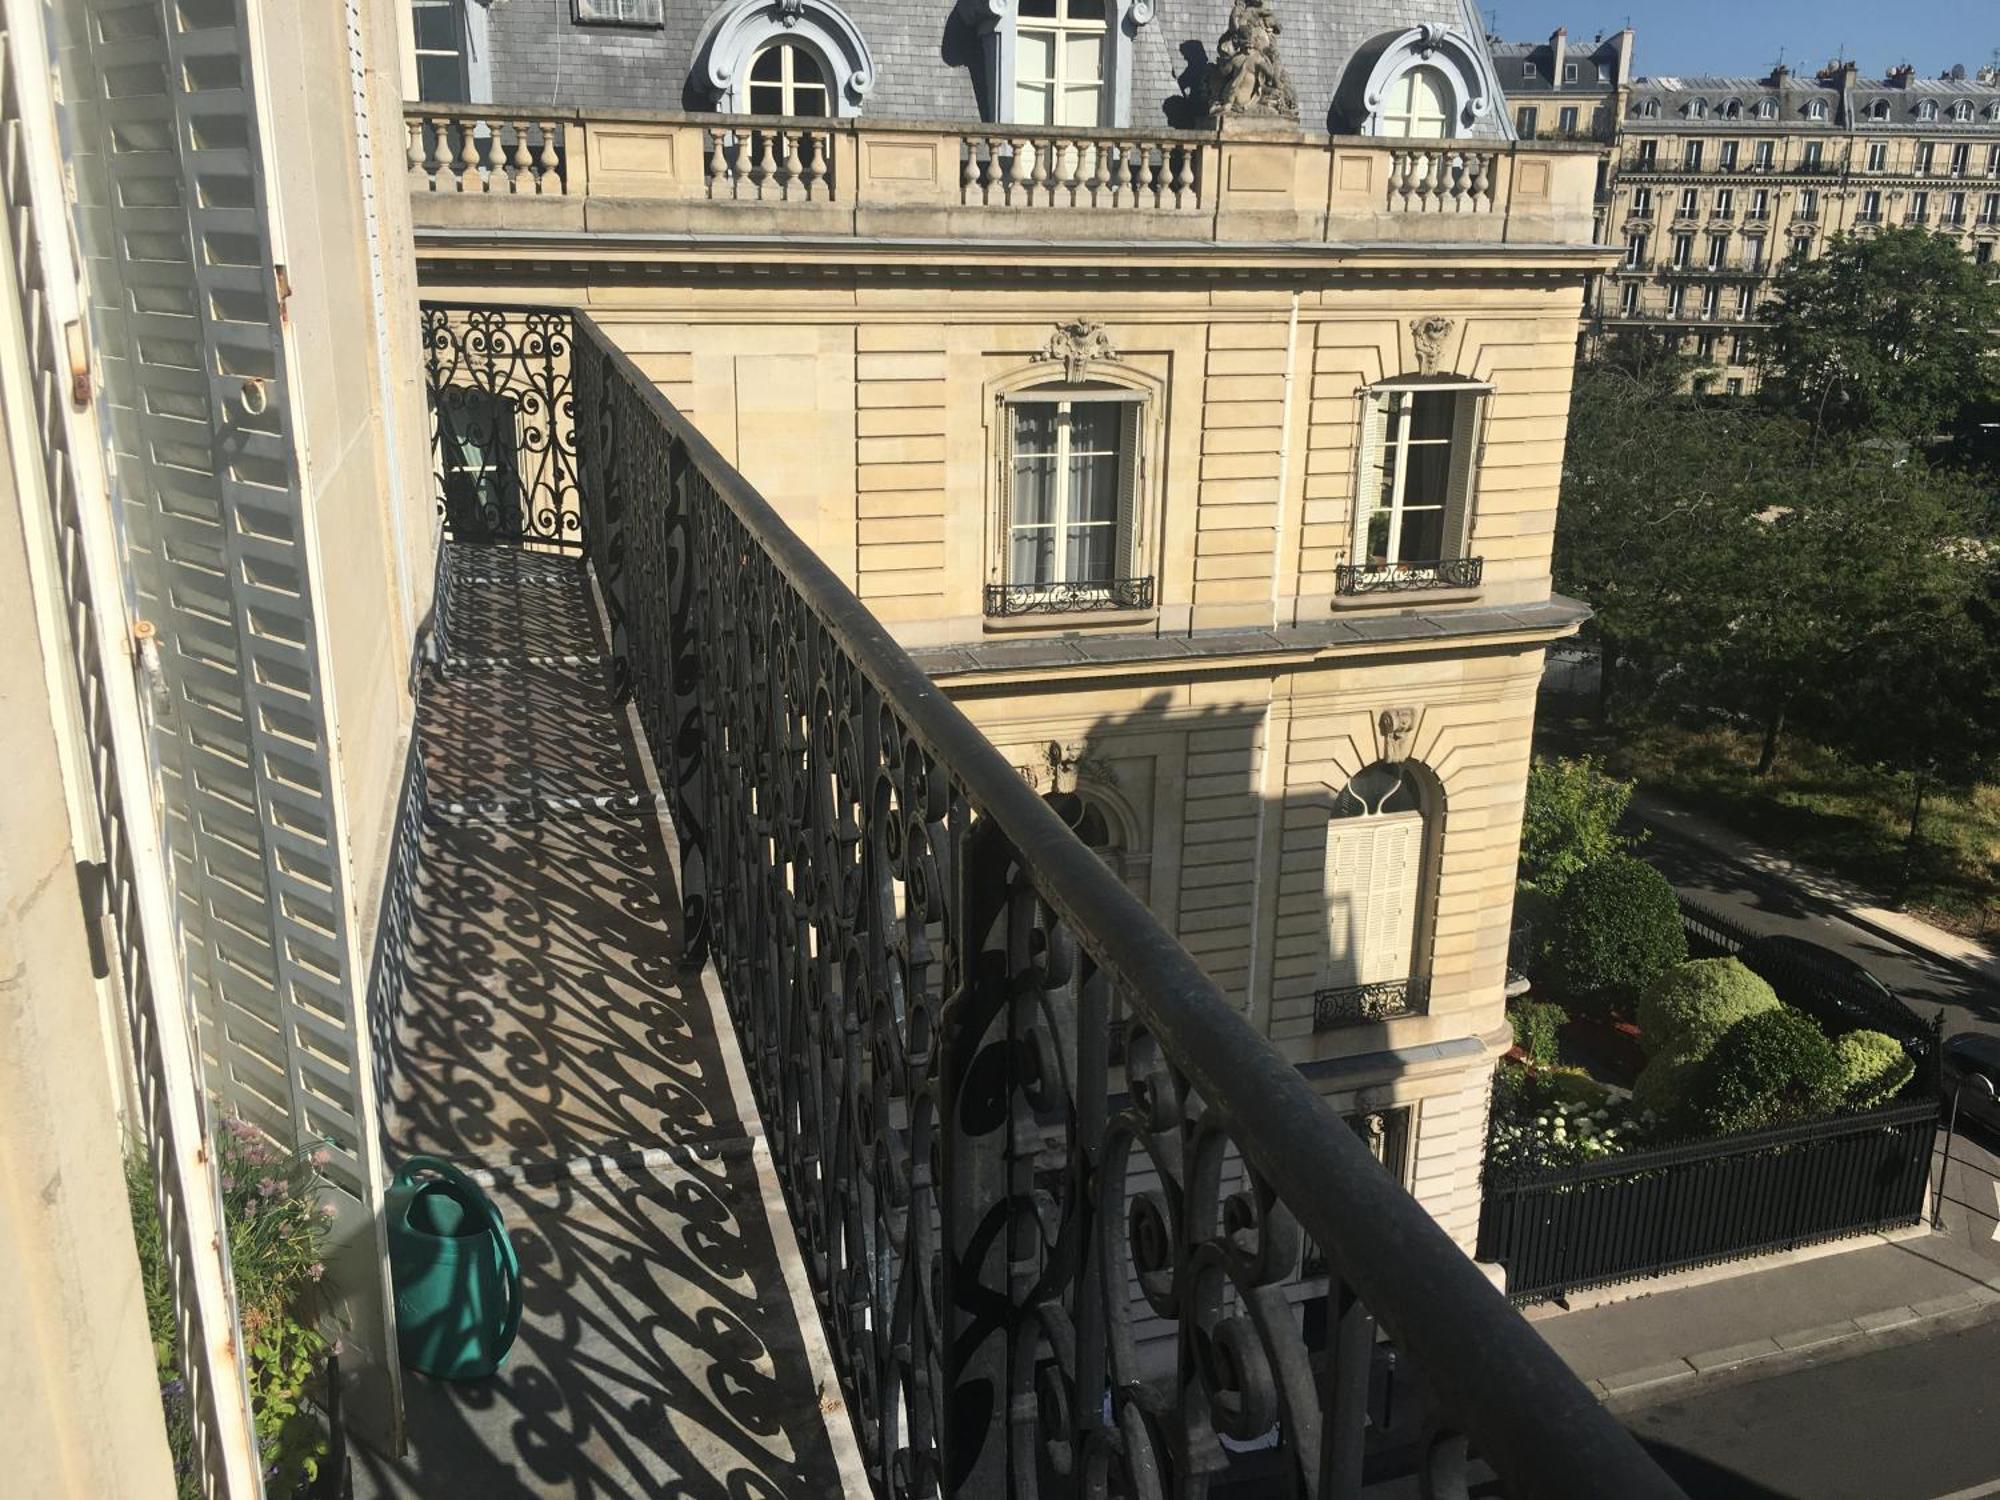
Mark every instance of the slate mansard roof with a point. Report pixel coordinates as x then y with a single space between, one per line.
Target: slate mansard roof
1847 101
927 56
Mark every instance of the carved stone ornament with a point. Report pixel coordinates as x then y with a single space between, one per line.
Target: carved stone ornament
1430 335
1076 345
1064 767
1246 79
1397 726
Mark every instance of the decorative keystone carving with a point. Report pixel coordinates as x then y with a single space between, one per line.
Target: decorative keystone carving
1075 345
1430 335
1246 79
1064 767
1397 727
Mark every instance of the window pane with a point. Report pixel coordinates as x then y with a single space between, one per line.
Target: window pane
1086 10
1093 554
1082 107
1429 475
1093 488
1045 8
1423 536
440 80
769 65
1378 535
1083 58
809 101
1034 491
1034 56
806 71
437 27
1034 427
1031 559
767 99
1432 415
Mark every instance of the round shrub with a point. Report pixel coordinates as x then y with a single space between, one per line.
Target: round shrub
1535 1024
1688 1008
1621 930
1874 1068
1773 1068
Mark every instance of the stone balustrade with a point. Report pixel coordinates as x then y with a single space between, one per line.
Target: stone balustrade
485 168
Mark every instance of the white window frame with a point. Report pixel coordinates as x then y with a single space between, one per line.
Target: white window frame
1816 109
1815 156
1129 545
1571 72
1465 69
1927 110
1569 119
1378 881
1961 158
1767 109
1745 300
1809 205
1766 154
1635 251
1871 206
1683 251
789 86
1690 204
1631 299
1760 204
1725 203
1529 72
997 22
1962 111
1384 442
1718 251
1926 158
474 59
1061 28
1878 156
1691 155
1731 153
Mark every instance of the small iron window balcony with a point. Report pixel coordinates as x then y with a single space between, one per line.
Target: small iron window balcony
1004 599
1358 1003
1409 577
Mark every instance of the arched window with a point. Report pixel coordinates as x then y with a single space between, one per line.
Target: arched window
1378 854
1879 110
802 57
1927 110
1647 109
1428 82
1816 110
1767 109
1962 111
1418 106
1058 62
1733 110
787 78
1697 109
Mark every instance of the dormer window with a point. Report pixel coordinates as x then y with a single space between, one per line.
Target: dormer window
1697 109
1529 72
1962 112
1059 62
1426 82
1878 112
1647 109
1927 111
1418 106
1733 110
1816 110
1767 109
806 58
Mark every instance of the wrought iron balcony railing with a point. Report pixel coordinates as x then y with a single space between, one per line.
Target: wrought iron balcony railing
1409 577
1004 599
922 963
1353 1004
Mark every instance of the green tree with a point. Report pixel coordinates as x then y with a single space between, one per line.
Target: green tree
1888 334
1571 820
1621 930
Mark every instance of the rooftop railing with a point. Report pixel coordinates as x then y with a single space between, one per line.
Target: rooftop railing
474 168
1041 1270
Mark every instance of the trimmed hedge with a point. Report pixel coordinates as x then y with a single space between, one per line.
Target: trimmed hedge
1874 1068
1682 1015
1535 1024
1772 1068
1621 930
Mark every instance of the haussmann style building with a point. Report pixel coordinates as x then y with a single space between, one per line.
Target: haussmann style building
875 661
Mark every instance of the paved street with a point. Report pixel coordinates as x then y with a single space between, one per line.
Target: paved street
1915 1422
1764 905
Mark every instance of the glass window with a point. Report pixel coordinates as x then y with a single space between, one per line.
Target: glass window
1691 156
477 454
1815 154
1419 105
1569 72
440 46
1375 856
1416 476
1690 202
1926 157
1059 62
1683 250
1072 464
1767 153
1760 203
1878 156
1816 110
1729 152
1566 121
1871 206
1525 119
1649 152
1635 250
1631 298
1961 158
1809 204
787 79
1920 207
1718 251
1725 203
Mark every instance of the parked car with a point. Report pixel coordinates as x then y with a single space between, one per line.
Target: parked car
1967 1055
1840 993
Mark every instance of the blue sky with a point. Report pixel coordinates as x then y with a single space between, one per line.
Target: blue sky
1745 36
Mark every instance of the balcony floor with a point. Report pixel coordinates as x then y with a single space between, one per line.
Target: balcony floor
546 1038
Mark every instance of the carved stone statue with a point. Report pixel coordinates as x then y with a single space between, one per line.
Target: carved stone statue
1246 79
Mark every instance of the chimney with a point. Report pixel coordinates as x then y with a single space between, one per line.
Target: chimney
1557 45
1624 41
1902 77
1778 76
1839 75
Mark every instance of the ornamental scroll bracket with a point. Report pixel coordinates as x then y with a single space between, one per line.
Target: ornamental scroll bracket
1064 767
1430 335
1076 345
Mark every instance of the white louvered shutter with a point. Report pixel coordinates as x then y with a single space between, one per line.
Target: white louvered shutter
1464 468
1372 865
1368 468
1130 429
1003 498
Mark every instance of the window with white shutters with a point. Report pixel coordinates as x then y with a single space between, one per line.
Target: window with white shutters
1071 472
1377 851
1418 457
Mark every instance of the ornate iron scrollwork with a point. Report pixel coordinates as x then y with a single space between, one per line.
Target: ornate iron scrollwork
1409 577
1003 599
1355 1003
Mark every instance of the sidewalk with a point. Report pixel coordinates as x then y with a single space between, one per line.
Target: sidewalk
1850 901
1831 1300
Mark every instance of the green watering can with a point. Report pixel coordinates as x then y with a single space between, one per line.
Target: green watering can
458 1286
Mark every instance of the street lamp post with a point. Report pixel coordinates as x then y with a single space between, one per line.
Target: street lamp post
1981 1084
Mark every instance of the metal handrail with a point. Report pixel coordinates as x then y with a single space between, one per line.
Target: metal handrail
1499 1383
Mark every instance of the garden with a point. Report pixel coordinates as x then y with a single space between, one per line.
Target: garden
277 1222
1623 1041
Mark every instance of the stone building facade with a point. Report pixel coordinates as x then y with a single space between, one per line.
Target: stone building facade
1214 473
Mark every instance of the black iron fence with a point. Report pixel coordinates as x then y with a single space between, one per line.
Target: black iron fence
922 963
1629 1217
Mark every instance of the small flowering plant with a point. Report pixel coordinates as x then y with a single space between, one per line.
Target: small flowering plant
1549 1120
277 1239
